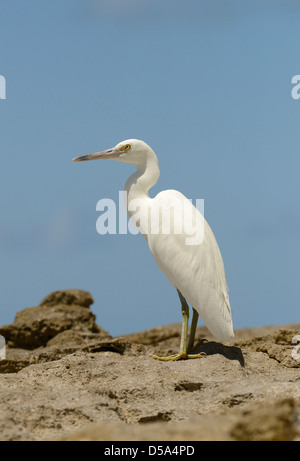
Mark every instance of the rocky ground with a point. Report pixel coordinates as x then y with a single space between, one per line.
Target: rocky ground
65 378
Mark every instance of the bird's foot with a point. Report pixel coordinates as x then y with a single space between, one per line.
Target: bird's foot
179 356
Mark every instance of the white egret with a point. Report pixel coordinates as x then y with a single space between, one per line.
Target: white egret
193 265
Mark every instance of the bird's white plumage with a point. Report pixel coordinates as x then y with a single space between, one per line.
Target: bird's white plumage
196 270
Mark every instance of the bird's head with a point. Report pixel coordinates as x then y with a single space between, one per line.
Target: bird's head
129 151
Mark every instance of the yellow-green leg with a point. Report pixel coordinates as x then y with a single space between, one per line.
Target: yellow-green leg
193 330
185 346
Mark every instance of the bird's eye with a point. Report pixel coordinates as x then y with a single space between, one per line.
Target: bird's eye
127 147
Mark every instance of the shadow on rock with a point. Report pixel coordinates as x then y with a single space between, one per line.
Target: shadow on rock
212 347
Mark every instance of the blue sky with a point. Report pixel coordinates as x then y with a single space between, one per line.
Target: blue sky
208 86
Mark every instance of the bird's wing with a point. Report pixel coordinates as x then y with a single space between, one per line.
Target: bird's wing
196 269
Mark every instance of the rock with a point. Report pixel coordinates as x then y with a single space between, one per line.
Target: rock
66 379
155 335
274 422
68 297
58 312
70 337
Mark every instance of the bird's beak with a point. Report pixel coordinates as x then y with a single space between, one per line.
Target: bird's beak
109 153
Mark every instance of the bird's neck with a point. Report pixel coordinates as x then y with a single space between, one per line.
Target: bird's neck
137 200
145 177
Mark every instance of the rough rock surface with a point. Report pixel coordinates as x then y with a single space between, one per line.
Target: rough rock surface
65 378
59 312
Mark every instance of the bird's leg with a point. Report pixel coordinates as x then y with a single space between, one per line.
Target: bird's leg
193 330
185 324
184 346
